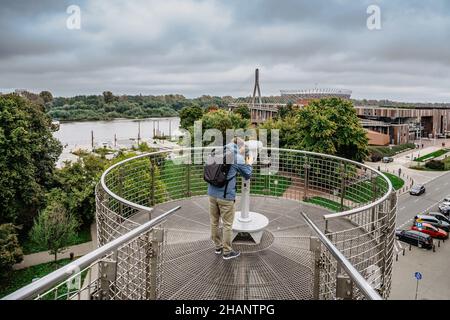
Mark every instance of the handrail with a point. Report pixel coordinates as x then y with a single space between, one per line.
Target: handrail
351 271
52 279
333 215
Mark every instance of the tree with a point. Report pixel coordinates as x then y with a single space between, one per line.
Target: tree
46 96
288 127
10 250
287 110
108 97
74 187
188 115
331 126
212 108
27 159
54 229
243 110
34 98
223 120
328 126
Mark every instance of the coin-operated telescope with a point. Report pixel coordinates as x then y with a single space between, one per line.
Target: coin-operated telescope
246 221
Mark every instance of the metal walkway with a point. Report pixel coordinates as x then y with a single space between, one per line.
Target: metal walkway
280 267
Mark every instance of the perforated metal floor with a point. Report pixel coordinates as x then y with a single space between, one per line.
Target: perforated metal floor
280 267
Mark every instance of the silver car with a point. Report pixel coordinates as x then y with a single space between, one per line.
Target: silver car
444 206
439 216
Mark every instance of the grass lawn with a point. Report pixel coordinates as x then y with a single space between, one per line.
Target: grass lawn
84 235
326 203
397 182
174 177
432 155
391 151
274 185
362 192
19 278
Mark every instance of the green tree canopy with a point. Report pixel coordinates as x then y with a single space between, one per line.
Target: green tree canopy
287 110
243 110
10 250
108 97
27 159
188 115
223 120
54 229
328 126
331 126
46 96
288 127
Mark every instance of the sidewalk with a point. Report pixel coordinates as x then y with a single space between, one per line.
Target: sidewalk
44 256
402 161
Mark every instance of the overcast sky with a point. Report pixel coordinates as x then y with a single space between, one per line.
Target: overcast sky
195 47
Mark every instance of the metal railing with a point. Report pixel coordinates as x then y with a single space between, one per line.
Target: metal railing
65 274
361 227
342 261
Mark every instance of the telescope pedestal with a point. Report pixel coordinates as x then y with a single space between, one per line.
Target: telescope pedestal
246 221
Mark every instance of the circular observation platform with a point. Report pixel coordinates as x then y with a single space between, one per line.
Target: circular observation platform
279 267
282 265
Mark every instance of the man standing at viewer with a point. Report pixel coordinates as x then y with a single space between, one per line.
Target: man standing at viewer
222 199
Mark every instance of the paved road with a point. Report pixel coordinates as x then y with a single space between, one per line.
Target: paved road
434 266
409 206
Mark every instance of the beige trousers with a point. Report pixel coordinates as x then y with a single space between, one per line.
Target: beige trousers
219 208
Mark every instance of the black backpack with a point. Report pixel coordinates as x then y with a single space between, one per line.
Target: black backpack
216 170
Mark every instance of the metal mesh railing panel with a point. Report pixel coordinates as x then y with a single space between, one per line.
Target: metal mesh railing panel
281 268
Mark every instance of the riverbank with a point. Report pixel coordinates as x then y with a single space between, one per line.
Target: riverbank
114 134
116 119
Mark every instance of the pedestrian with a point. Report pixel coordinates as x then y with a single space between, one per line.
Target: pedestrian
221 178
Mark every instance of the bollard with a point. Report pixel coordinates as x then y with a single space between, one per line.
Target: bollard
71 256
409 247
396 257
434 248
439 243
403 252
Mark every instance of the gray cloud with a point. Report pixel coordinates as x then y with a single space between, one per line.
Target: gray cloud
196 47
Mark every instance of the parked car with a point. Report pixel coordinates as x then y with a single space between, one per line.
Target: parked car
387 159
439 216
416 238
444 208
435 222
417 190
430 230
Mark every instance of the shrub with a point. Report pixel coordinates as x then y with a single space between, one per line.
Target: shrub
10 250
375 156
435 165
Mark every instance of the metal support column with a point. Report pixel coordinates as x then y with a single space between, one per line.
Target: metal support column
344 287
108 273
314 246
152 187
153 254
120 191
374 197
306 166
188 180
343 183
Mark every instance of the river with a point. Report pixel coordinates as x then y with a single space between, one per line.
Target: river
114 133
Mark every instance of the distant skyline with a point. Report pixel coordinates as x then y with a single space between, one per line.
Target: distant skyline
196 47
